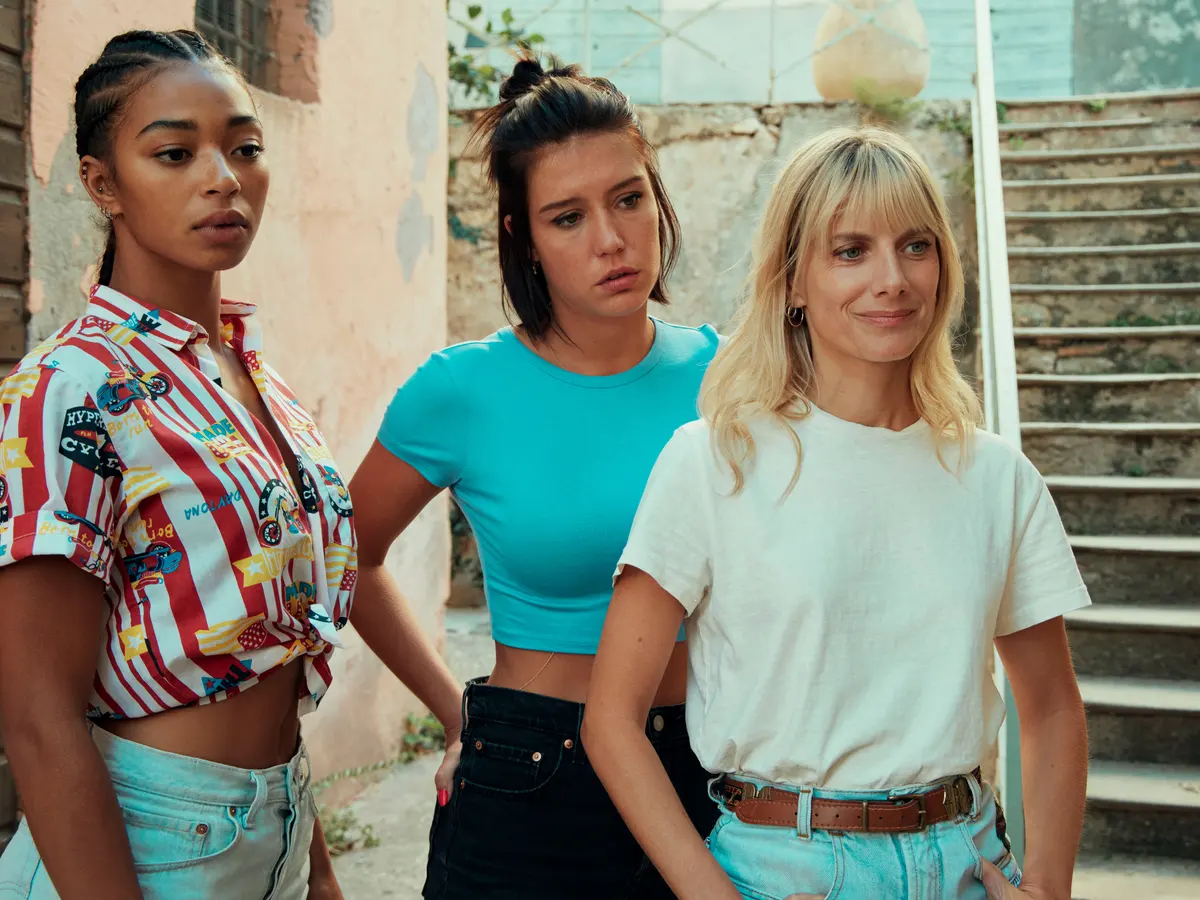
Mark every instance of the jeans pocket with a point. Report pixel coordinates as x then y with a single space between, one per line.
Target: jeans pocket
164 842
986 840
771 863
509 767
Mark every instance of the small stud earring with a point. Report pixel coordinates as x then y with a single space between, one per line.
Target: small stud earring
536 267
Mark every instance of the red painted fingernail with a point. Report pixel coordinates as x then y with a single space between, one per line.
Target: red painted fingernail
443 797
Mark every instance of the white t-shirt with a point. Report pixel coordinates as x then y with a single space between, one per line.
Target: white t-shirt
840 637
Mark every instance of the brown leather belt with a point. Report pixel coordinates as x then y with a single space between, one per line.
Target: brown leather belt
912 812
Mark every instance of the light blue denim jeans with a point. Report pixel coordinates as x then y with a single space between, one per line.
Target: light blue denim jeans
199 830
942 862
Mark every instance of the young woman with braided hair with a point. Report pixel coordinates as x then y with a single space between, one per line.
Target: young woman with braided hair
544 433
173 530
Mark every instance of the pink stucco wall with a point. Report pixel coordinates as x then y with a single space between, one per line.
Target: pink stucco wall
348 269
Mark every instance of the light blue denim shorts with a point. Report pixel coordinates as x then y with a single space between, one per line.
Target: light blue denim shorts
942 862
199 830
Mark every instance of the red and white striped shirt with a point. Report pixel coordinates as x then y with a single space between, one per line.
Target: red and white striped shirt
120 452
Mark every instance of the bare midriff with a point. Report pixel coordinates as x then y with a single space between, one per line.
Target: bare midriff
255 729
566 675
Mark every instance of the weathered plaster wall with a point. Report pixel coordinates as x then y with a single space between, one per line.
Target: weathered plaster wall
719 163
348 269
1136 45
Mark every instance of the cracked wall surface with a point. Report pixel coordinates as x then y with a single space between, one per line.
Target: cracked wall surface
1136 45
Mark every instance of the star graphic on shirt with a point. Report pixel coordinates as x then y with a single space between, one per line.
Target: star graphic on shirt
12 455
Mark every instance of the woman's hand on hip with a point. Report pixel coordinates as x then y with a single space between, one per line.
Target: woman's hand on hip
999 887
443 780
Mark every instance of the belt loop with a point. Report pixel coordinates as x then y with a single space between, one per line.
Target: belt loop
977 792
804 799
260 798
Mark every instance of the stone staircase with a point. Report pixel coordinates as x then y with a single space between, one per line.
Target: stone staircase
1102 198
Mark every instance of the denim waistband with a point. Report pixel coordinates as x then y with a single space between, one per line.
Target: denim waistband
483 703
144 768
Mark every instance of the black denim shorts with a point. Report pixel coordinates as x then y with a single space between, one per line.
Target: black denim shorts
529 818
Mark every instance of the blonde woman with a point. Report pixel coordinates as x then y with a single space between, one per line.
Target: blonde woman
845 547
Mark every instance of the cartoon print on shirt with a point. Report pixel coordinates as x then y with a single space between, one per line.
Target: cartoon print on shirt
124 466
277 510
239 672
135 324
145 569
223 441
310 499
339 497
13 455
126 384
234 636
86 442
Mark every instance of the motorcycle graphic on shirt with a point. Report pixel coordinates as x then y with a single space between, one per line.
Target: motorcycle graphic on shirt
148 568
127 384
277 510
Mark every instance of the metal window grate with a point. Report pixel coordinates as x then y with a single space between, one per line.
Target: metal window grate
240 30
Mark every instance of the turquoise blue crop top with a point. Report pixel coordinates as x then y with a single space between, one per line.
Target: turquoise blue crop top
548 467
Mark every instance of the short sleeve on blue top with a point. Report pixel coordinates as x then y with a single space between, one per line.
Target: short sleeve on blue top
548 467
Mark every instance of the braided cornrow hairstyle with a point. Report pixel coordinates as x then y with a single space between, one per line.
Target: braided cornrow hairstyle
128 62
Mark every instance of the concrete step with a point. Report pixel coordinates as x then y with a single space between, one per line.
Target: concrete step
1174 262
1143 878
1169 397
1085 162
1142 810
1119 192
1170 449
1135 131
1108 227
1138 720
1140 570
1095 351
1119 504
1106 304
1157 105
1156 642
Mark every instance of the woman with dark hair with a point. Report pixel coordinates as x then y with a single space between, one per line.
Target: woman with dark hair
174 551
545 434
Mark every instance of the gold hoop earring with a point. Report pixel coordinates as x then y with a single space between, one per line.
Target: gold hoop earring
795 316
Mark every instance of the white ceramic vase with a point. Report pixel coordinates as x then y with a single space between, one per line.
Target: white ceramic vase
880 49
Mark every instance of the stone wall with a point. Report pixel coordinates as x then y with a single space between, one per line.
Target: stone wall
718 163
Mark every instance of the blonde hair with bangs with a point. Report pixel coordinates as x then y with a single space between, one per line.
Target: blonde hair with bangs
766 366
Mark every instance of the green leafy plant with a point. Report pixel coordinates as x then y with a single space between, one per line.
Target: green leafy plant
1001 112
882 104
463 232
1097 105
956 123
1135 471
1016 142
343 832
478 78
1139 320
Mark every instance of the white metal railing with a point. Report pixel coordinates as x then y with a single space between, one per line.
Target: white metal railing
999 356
